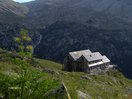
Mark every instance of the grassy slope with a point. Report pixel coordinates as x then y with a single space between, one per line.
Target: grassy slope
49 75
20 79
112 85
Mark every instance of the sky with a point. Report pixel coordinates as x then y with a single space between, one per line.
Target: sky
22 1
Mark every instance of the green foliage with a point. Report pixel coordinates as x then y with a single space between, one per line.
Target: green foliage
24 46
17 39
20 80
22 63
28 85
1 49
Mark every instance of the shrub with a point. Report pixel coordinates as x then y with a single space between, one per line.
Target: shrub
23 44
30 84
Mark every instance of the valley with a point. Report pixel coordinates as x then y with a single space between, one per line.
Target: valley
57 27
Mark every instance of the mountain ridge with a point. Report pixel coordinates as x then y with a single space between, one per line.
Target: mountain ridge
11 11
102 12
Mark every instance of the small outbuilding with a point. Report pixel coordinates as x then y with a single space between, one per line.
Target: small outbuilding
85 61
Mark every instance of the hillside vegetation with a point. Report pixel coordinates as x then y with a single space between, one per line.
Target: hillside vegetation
19 79
43 79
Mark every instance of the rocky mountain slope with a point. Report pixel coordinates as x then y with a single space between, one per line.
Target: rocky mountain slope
103 13
11 11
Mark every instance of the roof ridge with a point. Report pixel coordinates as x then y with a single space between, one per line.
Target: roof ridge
80 51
